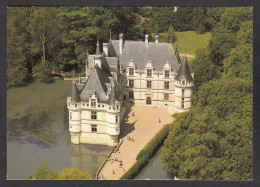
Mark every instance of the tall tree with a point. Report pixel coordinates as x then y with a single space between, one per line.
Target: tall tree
200 19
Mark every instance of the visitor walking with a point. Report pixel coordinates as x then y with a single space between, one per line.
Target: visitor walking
133 114
113 172
159 120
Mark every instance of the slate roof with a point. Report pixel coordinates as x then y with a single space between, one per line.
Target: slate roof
96 82
177 54
184 71
113 96
141 53
74 93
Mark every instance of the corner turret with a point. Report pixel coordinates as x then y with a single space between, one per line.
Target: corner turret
183 87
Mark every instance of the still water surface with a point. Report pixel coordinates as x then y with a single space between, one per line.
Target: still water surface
41 106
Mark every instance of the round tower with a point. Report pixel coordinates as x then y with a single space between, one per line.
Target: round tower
73 105
113 116
183 87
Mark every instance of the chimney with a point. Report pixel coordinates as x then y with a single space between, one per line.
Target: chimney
105 48
156 39
146 39
121 43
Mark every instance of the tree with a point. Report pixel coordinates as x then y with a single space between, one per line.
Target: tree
42 172
199 19
44 30
171 35
184 19
213 140
73 173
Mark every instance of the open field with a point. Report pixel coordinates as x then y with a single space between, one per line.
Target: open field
189 41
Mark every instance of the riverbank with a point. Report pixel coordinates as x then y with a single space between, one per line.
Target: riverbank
142 126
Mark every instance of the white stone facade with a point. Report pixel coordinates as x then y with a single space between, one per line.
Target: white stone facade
94 122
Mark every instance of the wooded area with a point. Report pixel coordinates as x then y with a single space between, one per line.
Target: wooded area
44 41
213 140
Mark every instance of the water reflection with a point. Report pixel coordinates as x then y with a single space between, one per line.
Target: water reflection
88 158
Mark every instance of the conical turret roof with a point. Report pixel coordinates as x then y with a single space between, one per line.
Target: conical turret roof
113 96
184 71
74 93
177 54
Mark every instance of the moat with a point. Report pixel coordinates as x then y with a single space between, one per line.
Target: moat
38 106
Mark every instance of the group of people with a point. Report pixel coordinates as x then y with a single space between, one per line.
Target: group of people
130 139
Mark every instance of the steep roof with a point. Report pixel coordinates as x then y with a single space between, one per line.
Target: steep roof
184 71
74 93
141 53
113 96
96 82
177 54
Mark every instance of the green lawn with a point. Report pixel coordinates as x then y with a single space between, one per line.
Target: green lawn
189 40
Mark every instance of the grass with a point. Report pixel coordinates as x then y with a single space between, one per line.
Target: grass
188 41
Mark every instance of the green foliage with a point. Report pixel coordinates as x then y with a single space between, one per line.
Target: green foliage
214 15
224 35
204 70
43 73
171 35
134 170
184 19
72 173
48 137
42 172
213 140
200 19
154 143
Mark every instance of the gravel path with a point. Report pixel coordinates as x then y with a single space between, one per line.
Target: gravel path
141 127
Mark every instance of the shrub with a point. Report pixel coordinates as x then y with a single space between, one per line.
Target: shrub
48 137
43 73
154 143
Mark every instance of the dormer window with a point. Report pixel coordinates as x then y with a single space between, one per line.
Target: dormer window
131 71
149 73
167 73
93 102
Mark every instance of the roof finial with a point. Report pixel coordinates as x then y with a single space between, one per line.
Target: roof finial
98 48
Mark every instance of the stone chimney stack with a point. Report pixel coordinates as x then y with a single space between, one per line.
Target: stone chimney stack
156 39
105 48
121 41
147 39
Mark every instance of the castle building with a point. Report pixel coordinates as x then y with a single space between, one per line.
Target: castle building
137 72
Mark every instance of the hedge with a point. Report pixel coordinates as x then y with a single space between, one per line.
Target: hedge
146 153
154 143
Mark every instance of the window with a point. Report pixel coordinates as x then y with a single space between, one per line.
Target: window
102 106
131 71
76 105
93 102
131 95
167 74
93 115
182 103
182 90
94 128
83 104
70 115
149 84
117 106
131 83
148 100
166 96
166 85
117 118
149 73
